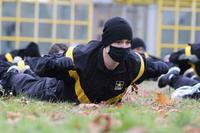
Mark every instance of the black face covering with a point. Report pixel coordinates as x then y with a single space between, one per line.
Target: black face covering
118 54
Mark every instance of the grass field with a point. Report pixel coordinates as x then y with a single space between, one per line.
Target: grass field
138 114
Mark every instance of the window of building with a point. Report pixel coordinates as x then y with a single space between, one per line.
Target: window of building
46 23
8 9
8 28
44 47
166 51
197 36
184 36
178 25
27 10
80 31
63 31
63 12
168 36
7 45
168 18
198 19
45 11
81 12
26 29
185 18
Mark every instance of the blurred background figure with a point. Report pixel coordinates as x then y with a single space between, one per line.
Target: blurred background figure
138 45
58 48
187 59
32 50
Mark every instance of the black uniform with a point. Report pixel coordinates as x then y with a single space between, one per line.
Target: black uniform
29 83
91 81
185 64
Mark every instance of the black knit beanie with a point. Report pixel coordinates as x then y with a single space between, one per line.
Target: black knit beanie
195 49
32 50
137 42
116 29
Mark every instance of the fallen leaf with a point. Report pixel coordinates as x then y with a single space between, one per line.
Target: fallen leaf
162 110
162 99
13 117
119 105
191 129
101 123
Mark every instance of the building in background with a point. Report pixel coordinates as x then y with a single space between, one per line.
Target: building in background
136 15
165 25
45 22
178 24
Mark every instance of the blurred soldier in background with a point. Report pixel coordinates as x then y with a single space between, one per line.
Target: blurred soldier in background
187 58
138 45
32 50
184 87
44 86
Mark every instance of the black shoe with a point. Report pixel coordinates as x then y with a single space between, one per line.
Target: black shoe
189 92
1 90
4 91
5 86
165 79
195 96
4 67
196 90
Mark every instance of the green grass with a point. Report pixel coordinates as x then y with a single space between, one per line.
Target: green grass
140 113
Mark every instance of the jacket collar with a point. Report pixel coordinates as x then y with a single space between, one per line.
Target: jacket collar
121 68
